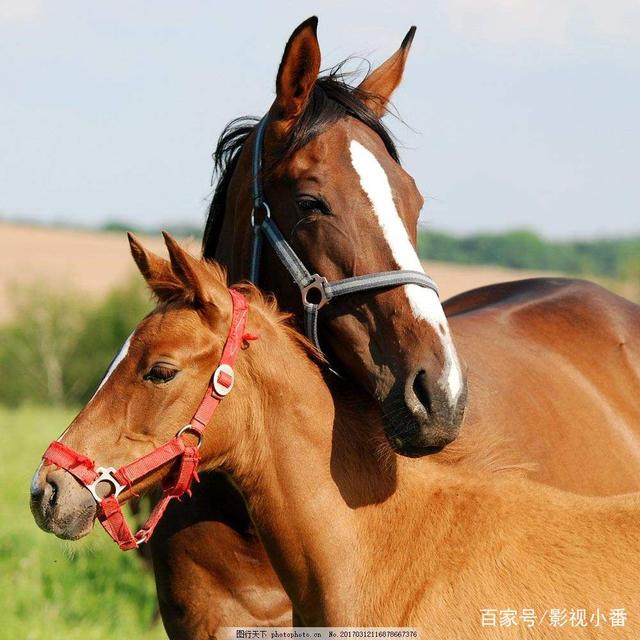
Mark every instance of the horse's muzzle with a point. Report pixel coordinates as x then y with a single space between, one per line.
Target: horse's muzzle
60 505
421 417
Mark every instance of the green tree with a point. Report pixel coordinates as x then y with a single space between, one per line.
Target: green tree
58 345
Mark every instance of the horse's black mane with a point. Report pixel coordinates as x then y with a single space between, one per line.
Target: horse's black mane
332 98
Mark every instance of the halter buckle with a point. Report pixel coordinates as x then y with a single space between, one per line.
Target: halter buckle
218 387
267 214
105 474
318 284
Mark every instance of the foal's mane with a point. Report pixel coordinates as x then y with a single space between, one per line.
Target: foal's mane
170 292
332 99
268 306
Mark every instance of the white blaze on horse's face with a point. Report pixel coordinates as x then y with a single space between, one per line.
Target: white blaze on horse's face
424 303
122 354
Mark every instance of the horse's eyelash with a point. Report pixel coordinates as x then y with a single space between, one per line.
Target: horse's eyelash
312 205
164 373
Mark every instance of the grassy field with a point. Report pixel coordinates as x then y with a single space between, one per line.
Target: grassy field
50 588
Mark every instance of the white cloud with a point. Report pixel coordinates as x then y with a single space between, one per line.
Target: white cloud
12 11
557 23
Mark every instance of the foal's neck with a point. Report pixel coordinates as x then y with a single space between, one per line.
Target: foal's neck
302 458
320 483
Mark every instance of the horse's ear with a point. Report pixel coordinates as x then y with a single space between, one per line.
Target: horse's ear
383 81
152 267
187 269
297 74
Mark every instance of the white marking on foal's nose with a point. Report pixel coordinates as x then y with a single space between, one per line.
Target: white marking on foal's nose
424 303
122 354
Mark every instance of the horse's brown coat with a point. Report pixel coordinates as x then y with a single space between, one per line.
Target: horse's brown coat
357 534
554 367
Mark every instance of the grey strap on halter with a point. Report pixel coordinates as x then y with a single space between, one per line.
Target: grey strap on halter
316 290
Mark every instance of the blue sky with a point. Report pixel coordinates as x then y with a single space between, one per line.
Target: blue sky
522 113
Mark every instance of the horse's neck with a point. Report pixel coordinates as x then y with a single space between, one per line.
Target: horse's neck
332 503
284 470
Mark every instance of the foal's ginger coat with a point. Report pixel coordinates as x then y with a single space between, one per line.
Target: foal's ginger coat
360 536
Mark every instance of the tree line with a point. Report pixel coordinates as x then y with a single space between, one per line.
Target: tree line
616 258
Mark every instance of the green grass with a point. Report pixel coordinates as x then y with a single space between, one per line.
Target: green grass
50 588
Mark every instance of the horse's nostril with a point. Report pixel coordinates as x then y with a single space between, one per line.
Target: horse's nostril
421 389
52 490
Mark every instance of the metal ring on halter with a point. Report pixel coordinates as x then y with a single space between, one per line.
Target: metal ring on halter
190 428
105 474
319 284
143 536
267 214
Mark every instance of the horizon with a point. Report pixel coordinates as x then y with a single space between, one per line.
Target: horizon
122 226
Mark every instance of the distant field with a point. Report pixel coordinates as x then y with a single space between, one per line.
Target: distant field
94 262
51 589
91 262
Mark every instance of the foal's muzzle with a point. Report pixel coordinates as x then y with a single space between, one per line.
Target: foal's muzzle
60 505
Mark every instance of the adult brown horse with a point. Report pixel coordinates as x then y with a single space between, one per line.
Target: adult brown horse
467 537
553 363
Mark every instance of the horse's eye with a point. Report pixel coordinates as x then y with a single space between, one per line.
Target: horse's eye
159 374
309 205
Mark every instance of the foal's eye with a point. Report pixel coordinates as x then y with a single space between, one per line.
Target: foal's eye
308 205
159 374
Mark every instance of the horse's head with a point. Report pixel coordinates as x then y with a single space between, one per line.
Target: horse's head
336 190
152 388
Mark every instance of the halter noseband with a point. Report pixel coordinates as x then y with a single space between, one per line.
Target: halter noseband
84 470
316 291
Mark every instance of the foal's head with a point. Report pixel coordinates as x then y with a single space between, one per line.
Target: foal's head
159 379
337 191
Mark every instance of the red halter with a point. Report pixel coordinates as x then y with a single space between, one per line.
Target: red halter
84 470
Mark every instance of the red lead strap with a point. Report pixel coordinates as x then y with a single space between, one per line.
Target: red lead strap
84 470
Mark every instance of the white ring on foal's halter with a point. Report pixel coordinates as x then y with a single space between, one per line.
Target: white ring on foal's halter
219 388
191 429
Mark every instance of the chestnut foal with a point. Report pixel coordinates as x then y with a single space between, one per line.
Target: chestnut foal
329 498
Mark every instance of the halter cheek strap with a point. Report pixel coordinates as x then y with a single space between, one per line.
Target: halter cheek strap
316 291
176 450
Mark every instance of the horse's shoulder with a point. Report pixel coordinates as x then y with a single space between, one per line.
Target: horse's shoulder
541 304
533 294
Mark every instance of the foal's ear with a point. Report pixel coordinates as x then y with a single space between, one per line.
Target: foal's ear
187 269
297 74
384 80
152 267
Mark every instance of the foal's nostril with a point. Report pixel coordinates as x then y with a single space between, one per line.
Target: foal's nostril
52 491
421 389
